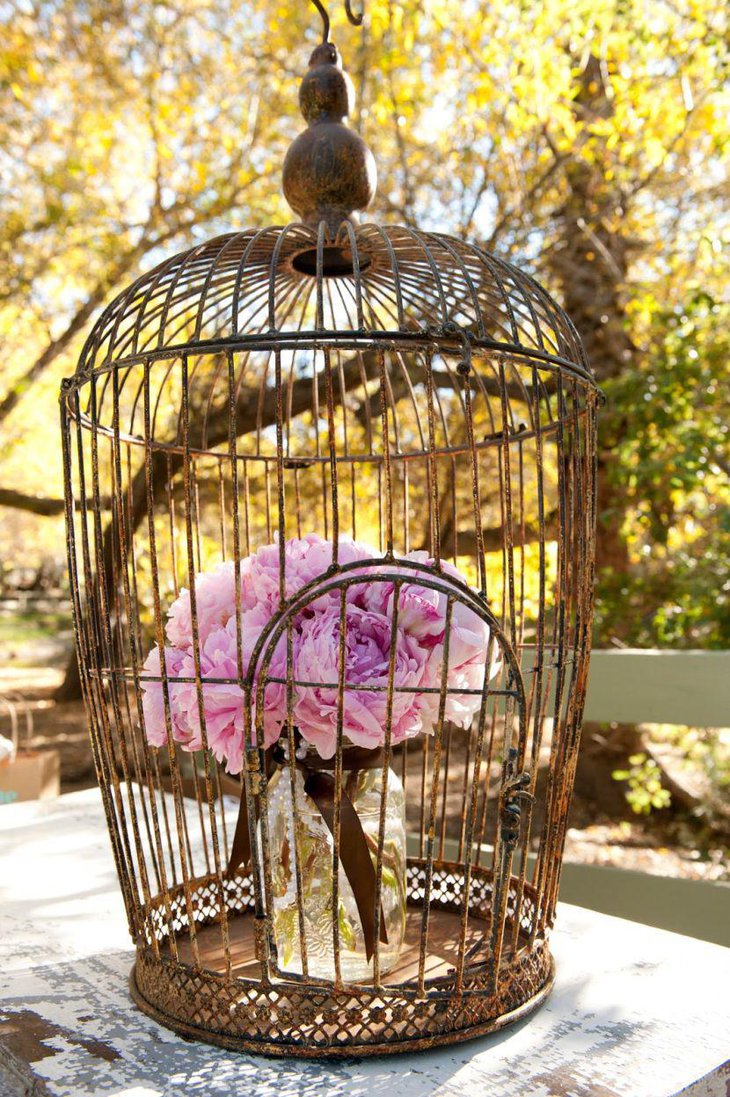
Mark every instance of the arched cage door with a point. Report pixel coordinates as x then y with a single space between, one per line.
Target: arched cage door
462 899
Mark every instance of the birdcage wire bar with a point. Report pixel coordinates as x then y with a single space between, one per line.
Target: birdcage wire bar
386 383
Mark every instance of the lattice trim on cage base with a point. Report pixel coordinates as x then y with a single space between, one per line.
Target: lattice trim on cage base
239 1012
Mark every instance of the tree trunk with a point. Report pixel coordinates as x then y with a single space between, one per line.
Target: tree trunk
590 261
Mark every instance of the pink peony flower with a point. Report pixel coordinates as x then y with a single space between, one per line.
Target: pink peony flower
223 700
215 604
367 662
420 645
422 615
153 703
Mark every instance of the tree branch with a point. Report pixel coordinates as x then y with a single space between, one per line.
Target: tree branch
251 415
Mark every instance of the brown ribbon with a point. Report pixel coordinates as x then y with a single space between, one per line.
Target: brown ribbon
319 785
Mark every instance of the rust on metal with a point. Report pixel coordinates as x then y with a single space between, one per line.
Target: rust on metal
347 379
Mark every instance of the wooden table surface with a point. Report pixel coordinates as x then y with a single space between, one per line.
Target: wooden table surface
636 1012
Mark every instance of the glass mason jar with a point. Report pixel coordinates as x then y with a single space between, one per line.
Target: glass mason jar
314 854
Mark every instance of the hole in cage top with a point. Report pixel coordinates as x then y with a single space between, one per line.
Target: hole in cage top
337 262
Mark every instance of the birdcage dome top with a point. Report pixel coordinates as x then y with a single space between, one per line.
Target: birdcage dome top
328 278
294 284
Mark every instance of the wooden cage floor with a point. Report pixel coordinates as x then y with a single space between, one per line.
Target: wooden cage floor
442 953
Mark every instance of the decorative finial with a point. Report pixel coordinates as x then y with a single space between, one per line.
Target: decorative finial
329 171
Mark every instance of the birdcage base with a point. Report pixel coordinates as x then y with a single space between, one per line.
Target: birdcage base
212 991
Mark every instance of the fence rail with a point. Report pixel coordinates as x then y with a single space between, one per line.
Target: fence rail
633 686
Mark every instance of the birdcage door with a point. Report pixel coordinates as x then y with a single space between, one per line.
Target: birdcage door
459 889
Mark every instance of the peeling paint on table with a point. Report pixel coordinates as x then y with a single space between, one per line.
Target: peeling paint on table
636 1012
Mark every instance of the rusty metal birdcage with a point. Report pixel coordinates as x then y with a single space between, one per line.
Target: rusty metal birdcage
374 386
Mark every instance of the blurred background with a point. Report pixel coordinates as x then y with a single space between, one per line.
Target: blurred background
585 141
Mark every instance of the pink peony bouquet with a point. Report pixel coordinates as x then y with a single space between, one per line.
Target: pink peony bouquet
420 634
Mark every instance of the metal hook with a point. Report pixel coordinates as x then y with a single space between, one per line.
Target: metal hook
450 327
356 20
325 21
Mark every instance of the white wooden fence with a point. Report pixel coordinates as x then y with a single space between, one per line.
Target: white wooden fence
637 686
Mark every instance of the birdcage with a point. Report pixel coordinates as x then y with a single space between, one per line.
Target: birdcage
330 501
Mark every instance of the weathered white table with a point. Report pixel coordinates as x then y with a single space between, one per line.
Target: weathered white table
636 1012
